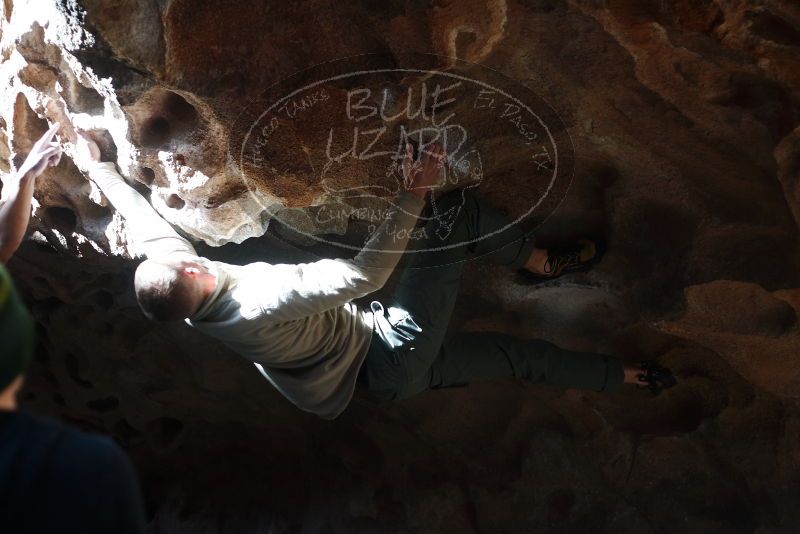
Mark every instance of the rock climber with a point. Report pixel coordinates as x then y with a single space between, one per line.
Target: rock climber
300 327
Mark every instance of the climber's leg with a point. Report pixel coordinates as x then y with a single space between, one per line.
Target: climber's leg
426 293
468 357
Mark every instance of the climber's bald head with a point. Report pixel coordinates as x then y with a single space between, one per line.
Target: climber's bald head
171 289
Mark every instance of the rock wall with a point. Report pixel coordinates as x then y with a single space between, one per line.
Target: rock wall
683 118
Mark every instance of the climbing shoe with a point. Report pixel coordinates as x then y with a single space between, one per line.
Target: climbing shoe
579 256
656 378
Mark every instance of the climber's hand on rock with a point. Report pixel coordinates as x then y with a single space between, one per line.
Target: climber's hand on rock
46 152
86 150
423 175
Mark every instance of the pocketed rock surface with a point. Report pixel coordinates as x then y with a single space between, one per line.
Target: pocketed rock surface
683 121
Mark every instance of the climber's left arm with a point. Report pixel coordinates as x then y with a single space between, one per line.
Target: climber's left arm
15 212
151 235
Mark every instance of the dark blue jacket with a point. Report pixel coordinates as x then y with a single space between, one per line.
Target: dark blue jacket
56 479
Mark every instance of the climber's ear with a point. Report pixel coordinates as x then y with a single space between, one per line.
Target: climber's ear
194 270
191 270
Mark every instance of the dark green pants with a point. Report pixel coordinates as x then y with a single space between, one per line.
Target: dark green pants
409 352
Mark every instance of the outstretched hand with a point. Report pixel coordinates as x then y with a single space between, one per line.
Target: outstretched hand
86 150
46 152
16 211
423 175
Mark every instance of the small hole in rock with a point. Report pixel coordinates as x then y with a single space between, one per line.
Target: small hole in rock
61 219
155 132
465 40
175 202
181 110
147 175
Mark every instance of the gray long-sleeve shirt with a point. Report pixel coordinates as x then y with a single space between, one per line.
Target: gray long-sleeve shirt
295 322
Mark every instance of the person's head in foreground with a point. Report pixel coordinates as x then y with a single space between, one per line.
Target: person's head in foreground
16 348
172 289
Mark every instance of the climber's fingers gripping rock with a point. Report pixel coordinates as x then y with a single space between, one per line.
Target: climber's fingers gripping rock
86 150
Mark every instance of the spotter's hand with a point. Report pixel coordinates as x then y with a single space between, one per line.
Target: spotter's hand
46 152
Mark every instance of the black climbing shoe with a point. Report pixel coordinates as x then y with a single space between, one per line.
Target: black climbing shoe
658 378
579 256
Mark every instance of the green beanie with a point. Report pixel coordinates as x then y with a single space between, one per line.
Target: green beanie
16 332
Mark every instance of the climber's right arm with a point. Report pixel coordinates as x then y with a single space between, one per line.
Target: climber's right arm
151 235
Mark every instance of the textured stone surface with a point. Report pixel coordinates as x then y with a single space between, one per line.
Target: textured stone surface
684 121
